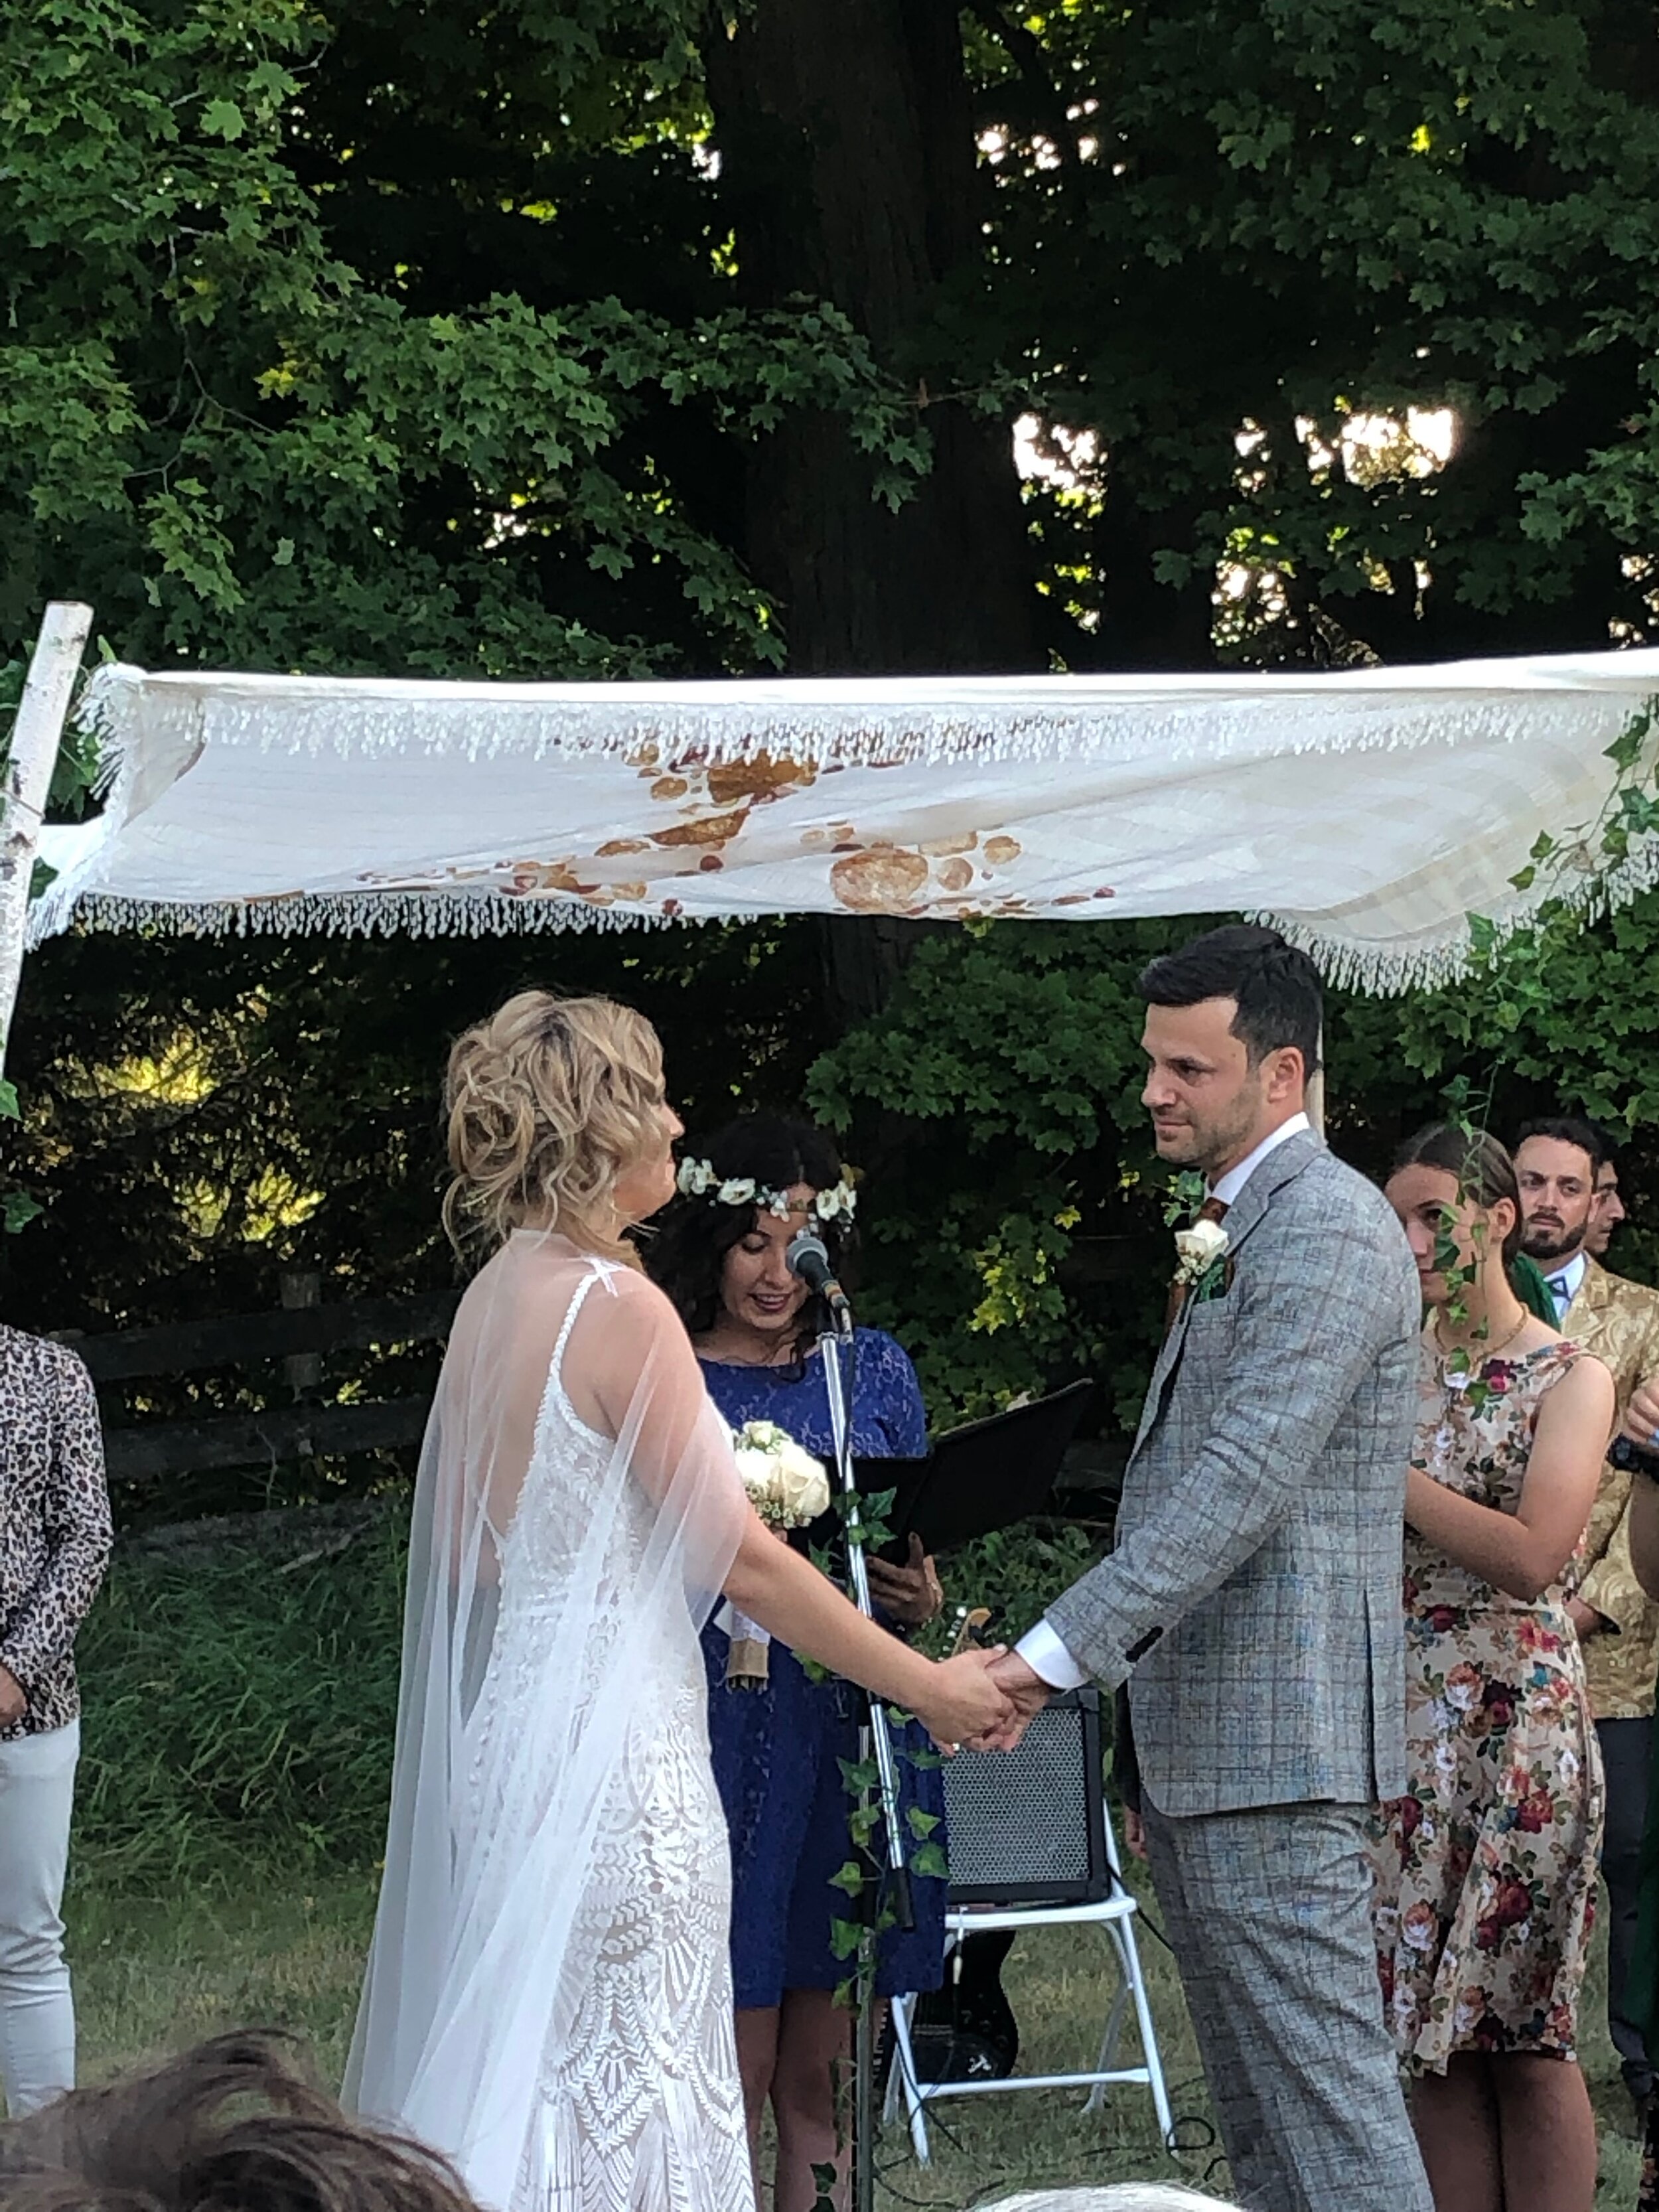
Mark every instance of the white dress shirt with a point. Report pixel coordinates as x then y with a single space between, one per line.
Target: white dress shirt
1041 1648
1566 1282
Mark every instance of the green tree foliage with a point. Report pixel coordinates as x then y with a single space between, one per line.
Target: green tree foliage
1232 234
441 338
244 444
210 1115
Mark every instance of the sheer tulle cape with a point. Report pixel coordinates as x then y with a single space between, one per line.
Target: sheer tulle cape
518 1702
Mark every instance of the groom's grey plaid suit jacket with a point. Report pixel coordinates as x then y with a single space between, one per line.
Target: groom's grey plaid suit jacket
1260 1535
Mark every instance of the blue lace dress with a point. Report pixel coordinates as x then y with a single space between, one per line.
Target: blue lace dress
775 1749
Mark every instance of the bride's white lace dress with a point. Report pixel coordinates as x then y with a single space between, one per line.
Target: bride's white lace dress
549 1996
641 2108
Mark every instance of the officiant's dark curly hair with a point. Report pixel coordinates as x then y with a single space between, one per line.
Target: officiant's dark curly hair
236 2122
685 1247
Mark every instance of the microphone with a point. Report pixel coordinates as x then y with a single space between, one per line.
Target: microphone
808 1256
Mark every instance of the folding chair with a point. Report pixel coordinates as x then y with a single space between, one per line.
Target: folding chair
1031 1845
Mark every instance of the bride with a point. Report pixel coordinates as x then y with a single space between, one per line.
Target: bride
548 1998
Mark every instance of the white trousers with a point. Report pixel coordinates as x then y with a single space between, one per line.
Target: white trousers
36 2015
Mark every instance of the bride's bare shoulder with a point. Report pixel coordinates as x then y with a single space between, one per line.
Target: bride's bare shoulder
627 1298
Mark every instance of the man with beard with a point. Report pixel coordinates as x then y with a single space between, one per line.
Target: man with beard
1252 1600
1559 1166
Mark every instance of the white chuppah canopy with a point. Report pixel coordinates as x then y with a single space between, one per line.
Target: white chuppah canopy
1369 811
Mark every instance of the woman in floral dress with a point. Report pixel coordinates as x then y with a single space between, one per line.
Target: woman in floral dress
1487 1869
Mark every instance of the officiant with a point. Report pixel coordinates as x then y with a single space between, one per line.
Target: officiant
777 1735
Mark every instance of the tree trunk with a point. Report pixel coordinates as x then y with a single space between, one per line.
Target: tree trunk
848 161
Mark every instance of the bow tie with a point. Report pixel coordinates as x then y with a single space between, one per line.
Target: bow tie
1560 1289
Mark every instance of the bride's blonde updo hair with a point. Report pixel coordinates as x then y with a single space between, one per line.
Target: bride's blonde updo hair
549 1102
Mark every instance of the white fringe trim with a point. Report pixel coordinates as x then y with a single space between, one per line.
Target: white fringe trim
378 913
854 722
1426 964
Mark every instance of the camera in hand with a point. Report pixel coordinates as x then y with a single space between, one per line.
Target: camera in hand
1634 1459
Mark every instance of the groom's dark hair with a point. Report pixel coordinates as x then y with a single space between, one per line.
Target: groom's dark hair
1281 1000
236 2122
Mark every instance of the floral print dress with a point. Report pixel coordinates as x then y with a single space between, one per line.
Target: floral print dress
1485 1871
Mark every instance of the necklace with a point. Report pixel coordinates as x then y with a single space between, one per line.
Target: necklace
1485 1352
791 1357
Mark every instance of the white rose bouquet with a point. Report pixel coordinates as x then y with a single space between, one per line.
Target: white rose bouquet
788 1488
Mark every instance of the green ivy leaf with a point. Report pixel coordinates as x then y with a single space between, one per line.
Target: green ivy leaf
845 1937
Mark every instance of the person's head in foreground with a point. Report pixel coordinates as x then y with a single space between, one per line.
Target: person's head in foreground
1557 1163
1231 1037
1116 2196
558 1120
1455 1191
234 2125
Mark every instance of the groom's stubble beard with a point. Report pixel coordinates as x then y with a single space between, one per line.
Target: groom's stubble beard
1210 1144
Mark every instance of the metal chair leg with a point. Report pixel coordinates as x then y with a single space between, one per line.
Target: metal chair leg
902 2080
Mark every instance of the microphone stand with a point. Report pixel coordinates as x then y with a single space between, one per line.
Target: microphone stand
873 1734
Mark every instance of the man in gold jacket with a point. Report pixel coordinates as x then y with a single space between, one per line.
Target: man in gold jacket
1561 1166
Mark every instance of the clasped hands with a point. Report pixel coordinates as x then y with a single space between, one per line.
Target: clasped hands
985 1699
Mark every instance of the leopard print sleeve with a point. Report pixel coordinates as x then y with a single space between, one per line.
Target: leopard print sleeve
69 1544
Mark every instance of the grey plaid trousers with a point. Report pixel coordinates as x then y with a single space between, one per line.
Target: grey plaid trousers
1269 1912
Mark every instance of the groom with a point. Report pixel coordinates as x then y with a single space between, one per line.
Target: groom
1254 1588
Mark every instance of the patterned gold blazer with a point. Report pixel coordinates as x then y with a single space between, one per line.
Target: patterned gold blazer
1618 1322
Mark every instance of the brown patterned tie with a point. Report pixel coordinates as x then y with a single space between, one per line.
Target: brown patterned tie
1214 1209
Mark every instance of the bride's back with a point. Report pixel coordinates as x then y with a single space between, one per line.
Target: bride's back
555 1851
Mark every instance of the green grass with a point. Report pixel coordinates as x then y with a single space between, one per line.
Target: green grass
238 1704
238 1718
286 1950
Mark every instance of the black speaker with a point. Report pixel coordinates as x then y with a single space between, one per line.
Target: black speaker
1027 1826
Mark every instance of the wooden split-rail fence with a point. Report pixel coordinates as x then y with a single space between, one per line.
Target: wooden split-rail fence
312 1425
299 1334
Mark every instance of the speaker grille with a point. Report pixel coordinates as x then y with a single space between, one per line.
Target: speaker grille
1026 1826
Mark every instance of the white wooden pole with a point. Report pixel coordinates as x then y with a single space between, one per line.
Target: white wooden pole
36 737
1313 1095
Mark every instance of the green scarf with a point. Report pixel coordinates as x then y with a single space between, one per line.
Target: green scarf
1534 1293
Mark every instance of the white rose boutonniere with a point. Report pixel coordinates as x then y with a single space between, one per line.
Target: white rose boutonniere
1199 1250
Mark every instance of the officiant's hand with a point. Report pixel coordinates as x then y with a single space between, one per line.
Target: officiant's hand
1027 1694
909 1595
962 1701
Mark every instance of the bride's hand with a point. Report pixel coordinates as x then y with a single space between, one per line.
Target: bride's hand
962 1701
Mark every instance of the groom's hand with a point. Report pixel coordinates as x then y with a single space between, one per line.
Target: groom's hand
1026 1691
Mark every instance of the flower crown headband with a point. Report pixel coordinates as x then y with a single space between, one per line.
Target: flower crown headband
697 1179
